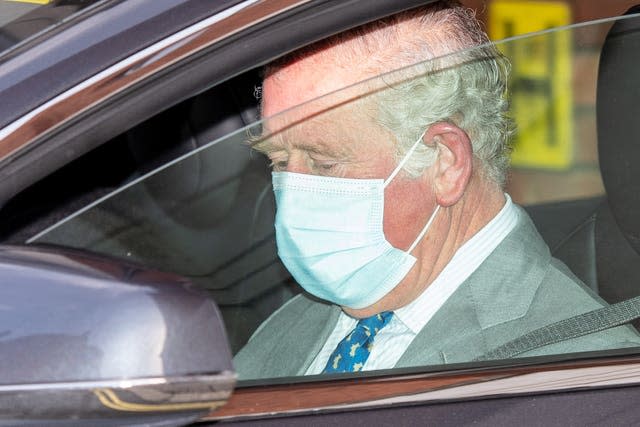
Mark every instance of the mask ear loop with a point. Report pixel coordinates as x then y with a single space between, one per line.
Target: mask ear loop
424 230
404 160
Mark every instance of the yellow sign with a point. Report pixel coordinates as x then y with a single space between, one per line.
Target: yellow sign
540 89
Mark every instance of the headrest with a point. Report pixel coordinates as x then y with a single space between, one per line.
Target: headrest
200 189
618 120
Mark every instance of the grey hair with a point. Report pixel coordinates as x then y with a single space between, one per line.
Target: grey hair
460 78
467 88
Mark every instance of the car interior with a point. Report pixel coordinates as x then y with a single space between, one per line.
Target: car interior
208 215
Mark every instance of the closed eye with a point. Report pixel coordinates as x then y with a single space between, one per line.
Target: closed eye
325 165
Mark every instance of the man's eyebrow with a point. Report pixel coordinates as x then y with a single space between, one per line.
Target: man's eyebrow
265 143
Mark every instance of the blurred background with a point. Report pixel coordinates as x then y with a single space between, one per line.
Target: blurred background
552 92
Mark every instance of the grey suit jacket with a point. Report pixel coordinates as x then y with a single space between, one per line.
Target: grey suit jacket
517 289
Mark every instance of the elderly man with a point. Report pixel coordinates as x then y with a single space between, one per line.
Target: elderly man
390 207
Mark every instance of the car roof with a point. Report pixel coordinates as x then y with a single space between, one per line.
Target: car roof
23 20
61 57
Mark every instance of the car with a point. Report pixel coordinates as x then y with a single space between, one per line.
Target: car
130 199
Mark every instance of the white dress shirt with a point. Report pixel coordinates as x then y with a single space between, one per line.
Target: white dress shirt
394 339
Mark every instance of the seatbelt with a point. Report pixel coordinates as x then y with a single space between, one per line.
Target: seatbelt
573 327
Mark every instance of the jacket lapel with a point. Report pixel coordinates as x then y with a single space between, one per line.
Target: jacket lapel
474 318
324 319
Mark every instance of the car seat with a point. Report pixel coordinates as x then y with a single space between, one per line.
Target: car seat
617 225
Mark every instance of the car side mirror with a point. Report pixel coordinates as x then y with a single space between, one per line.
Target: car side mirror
85 338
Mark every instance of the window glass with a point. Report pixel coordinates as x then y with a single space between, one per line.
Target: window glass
210 214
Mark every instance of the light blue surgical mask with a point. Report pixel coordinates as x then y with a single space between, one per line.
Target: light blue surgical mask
329 233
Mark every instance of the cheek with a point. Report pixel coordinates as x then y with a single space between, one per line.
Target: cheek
407 206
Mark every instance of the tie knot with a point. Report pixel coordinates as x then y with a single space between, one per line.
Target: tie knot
353 351
376 322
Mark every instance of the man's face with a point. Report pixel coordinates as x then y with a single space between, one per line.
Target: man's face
343 142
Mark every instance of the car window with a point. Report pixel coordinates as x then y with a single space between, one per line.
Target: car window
209 215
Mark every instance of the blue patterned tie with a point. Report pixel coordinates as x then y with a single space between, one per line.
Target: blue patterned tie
353 351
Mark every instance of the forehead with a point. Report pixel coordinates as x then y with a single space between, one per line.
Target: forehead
316 78
317 97
333 131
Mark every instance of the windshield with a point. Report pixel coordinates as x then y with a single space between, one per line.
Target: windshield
21 20
231 215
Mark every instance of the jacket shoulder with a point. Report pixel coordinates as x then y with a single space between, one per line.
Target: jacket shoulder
285 343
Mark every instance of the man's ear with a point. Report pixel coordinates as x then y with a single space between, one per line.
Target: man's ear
454 162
